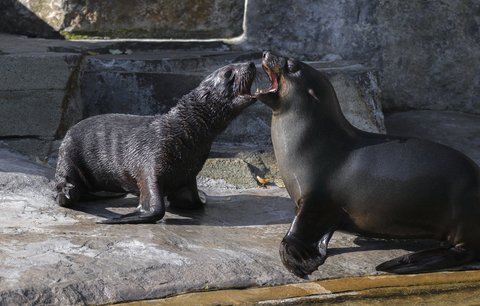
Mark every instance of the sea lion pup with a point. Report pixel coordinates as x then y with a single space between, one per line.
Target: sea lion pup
152 157
342 178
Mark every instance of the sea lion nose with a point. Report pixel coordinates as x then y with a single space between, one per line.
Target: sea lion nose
265 54
251 65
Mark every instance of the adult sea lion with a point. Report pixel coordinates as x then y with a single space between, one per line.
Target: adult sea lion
342 178
152 157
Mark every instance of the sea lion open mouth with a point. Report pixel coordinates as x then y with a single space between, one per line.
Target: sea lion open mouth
273 79
244 81
273 69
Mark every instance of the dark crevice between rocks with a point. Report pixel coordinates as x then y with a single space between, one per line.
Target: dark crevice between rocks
38 137
142 46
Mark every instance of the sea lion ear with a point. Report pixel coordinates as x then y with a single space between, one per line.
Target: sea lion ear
312 93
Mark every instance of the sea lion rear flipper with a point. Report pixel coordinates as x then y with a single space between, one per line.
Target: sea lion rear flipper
151 207
136 217
427 260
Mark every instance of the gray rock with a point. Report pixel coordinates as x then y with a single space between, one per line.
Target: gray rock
142 83
36 71
133 93
124 19
13 162
426 51
41 111
41 149
429 54
314 29
358 93
235 172
34 87
19 19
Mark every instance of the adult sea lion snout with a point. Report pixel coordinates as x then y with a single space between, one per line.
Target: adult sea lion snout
272 65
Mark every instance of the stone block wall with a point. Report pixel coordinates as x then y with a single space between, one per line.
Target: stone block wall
33 88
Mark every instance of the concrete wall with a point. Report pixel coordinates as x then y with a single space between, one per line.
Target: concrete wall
430 54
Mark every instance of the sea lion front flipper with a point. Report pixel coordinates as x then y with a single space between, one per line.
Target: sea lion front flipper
427 260
188 197
67 194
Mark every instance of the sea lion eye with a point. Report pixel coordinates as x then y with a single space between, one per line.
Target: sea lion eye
228 74
292 66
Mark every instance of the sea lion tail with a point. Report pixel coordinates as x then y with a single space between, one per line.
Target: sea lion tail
428 260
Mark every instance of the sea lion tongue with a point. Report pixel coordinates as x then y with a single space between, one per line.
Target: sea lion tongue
273 80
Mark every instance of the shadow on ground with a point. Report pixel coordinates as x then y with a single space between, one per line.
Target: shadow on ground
230 210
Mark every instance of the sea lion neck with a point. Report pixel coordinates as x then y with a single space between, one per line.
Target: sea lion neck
325 110
199 118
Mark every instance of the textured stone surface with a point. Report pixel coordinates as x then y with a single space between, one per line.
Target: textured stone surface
18 19
133 93
29 71
430 56
126 19
426 51
42 110
358 93
33 89
234 171
58 256
315 29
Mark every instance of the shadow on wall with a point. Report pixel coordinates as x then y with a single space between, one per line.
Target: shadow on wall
16 18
